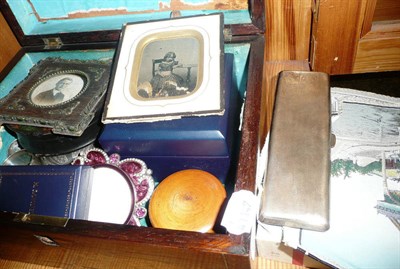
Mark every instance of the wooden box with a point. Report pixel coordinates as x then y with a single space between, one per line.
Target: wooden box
76 243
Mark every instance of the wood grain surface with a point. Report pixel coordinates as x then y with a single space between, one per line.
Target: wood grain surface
8 42
378 55
378 48
335 34
258 263
288 27
387 10
85 244
188 200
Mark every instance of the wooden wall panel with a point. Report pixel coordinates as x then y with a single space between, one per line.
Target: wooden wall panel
9 45
336 32
287 46
378 55
379 45
261 263
288 26
387 10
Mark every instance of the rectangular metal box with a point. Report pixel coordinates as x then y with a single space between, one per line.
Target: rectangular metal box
296 187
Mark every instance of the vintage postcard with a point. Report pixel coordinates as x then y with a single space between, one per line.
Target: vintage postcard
364 184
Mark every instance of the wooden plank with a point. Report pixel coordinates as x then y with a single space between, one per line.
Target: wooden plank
258 263
288 26
261 263
249 143
368 17
379 49
101 245
12 46
378 55
109 38
336 34
22 265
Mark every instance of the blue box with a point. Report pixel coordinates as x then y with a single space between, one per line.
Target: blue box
163 166
192 136
204 142
57 191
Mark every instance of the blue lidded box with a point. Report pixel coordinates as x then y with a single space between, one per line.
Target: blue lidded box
201 142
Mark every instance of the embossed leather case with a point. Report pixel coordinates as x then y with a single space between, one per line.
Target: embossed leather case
57 191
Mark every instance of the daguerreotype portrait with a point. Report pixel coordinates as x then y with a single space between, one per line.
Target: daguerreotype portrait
57 89
167 69
59 94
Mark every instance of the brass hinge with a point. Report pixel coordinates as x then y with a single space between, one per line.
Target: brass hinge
227 34
52 43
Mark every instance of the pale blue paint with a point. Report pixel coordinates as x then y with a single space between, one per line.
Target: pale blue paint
5 141
241 53
24 15
59 9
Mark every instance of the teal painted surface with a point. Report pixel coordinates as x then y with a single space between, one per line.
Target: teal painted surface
59 9
5 141
17 74
24 15
241 54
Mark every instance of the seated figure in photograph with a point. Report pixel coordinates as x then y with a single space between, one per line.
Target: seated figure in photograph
166 82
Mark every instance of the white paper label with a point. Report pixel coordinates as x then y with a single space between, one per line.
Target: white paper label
240 213
291 237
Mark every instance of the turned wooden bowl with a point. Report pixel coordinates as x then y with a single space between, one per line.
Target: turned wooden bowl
188 200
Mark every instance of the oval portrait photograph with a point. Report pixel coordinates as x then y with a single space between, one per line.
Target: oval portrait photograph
57 89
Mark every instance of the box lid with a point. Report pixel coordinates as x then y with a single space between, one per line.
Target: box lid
38 23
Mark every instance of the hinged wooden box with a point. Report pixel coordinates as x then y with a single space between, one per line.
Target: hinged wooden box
91 30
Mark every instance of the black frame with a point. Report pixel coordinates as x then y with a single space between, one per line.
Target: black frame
70 117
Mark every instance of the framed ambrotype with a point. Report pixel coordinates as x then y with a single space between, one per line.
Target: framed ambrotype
167 69
59 94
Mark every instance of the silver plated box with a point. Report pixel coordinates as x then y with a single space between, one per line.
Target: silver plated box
296 187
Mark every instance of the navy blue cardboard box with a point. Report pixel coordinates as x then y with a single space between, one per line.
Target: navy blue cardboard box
204 142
